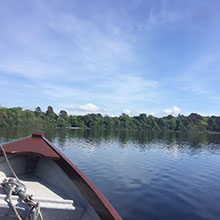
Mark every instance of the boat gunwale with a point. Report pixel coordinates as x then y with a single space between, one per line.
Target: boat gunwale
96 199
88 182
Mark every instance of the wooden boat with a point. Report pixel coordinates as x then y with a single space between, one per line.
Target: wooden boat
60 188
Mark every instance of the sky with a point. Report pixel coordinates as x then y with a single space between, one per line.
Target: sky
111 57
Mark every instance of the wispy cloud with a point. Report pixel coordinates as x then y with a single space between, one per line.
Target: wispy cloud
126 88
117 56
85 46
202 77
58 91
162 16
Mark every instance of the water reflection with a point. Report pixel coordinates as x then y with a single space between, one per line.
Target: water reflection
145 175
141 140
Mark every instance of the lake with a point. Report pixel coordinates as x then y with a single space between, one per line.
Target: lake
155 176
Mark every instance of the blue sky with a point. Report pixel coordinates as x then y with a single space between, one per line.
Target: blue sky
154 56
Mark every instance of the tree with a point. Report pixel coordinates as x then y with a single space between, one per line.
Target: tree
49 110
63 114
38 109
143 117
50 113
108 122
73 121
125 121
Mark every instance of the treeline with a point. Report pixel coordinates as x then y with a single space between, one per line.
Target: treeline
17 117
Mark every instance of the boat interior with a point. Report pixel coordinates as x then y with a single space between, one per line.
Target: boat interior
58 196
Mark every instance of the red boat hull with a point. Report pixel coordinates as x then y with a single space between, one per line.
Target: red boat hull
38 145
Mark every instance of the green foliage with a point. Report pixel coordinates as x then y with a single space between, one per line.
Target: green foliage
50 113
17 117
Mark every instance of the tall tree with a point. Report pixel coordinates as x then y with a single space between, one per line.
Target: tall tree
50 113
63 114
38 109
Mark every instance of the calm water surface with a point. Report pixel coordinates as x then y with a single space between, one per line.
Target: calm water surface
145 176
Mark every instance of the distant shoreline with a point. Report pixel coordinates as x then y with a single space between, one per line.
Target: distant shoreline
17 117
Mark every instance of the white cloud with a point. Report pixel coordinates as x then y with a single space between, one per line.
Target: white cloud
152 113
202 76
87 108
173 111
127 111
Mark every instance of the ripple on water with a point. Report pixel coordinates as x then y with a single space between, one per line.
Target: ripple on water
161 183
168 177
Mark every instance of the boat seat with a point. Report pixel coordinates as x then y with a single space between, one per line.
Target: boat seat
50 209
53 204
